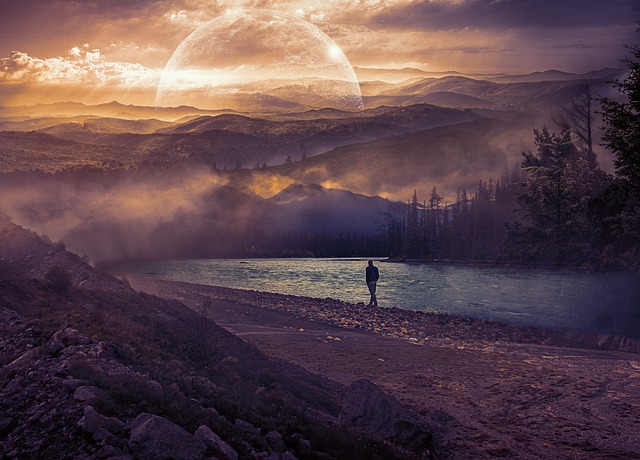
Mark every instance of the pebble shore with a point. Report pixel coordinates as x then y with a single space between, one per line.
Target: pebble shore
419 328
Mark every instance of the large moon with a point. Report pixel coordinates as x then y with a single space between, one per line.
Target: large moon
259 61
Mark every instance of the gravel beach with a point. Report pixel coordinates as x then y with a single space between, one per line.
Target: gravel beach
489 390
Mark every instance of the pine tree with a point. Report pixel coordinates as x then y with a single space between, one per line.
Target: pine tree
412 246
621 135
434 224
560 186
579 118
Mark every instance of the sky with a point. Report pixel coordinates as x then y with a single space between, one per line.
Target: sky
95 51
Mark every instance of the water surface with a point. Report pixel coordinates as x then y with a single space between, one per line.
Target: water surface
603 303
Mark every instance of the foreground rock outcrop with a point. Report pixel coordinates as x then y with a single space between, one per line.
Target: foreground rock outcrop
91 369
368 408
53 408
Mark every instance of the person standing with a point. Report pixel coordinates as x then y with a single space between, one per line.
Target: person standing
372 276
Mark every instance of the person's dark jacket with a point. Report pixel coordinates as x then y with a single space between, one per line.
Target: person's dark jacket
372 273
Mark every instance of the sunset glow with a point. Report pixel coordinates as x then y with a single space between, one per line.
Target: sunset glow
95 52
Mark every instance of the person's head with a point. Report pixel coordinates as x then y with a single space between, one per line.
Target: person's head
371 262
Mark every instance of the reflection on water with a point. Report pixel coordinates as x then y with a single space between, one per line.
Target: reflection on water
605 303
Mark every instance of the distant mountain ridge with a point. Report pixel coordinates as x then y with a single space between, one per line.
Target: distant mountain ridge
113 109
505 93
226 139
606 73
396 90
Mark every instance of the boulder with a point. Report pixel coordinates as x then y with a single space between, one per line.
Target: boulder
71 384
109 452
156 438
215 446
105 350
247 429
92 421
69 336
275 441
369 409
90 393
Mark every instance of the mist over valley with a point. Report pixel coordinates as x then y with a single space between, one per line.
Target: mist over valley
127 182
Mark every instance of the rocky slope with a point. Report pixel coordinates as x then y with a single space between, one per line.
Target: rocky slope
92 369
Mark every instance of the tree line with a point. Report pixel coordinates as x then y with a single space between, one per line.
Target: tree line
558 208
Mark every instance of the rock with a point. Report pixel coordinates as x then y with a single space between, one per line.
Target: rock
89 393
215 446
108 452
371 410
92 421
7 424
105 350
604 341
54 348
154 389
103 436
320 417
302 444
69 336
247 428
275 441
12 368
71 385
156 438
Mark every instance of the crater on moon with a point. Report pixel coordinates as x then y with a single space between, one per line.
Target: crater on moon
259 61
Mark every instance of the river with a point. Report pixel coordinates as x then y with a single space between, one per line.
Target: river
561 300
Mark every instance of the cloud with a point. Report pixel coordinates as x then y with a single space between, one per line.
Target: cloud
505 14
80 66
495 35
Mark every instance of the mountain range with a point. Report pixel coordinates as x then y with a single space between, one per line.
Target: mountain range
75 171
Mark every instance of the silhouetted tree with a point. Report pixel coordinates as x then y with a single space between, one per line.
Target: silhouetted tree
621 135
433 225
413 238
579 118
560 185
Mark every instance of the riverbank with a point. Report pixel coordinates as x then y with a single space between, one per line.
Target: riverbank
489 390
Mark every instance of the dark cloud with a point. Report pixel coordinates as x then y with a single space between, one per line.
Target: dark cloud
505 14
42 27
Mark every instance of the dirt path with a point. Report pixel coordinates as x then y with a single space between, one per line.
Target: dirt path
490 399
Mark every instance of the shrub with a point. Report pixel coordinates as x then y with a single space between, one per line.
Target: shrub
59 279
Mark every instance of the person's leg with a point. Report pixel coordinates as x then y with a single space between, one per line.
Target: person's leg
372 291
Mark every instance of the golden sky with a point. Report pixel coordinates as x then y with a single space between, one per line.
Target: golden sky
96 51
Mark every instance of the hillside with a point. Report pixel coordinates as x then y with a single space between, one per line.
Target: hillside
452 158
225 140
112 109
117 371
525 92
